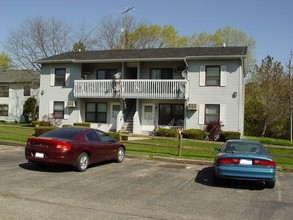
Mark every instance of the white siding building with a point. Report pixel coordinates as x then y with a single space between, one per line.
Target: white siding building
15 87
136 89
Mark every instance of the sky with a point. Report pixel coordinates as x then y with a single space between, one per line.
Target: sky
268 22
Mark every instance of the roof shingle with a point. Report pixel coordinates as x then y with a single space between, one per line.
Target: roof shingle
154 53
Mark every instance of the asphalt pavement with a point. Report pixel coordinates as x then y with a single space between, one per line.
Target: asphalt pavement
137 188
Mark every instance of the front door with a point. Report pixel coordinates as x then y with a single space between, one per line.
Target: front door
148 117
115 109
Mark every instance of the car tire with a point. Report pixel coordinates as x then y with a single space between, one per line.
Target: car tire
217 180
270 184
82 162
120 154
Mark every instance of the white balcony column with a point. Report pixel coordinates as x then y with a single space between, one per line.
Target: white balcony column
138 70
136 119
122 70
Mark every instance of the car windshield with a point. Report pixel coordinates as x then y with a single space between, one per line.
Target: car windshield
244 147
62 133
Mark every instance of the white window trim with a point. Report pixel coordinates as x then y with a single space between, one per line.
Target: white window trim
202 76
201 114
67 75
52 77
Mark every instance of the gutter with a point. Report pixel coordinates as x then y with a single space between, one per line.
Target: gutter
141 59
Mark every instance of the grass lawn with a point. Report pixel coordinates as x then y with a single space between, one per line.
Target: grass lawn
199 150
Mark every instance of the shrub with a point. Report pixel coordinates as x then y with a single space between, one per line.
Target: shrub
213 128
82 124
165 132
30 109
43 129
40 123
116 135
66 125
229 135
196 134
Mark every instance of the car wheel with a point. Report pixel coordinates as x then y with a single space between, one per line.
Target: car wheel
82 162
120 154
270 184
217 180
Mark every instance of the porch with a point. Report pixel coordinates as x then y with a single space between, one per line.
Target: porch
131 88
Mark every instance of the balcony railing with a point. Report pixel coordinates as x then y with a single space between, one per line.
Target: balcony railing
141 89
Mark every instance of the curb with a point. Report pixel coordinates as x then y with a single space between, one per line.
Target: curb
171 160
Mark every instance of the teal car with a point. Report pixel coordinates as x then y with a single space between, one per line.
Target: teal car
244 160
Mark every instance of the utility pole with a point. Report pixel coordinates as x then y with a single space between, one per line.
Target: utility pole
291 100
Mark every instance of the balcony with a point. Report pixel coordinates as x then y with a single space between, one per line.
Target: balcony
140 89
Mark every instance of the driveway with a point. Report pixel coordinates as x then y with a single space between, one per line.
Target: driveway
134 189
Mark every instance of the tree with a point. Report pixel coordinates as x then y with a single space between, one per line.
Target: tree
154 36
5 61
30 109
228 37
37 38
108 34
79 46
267 98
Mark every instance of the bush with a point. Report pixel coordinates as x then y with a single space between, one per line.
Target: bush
43 129
195 134
229 135
213 128
41 123
165 132
116 135
66 125
82 124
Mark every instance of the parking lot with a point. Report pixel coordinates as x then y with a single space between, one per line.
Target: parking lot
134 189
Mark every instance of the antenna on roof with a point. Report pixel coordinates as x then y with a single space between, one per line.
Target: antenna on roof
127 10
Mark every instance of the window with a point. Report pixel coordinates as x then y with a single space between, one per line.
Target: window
4 91
148 112
60 76
212 113
26 91
106 74
58 111
213 75
92 136
169 114
3 110
163 73
96 112
115 110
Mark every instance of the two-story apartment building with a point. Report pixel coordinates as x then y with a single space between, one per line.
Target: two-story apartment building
15 87
171 87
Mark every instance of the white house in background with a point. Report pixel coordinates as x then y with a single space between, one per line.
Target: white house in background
136 89
15 87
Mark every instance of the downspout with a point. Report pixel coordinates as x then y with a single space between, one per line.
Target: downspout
187 87
242 96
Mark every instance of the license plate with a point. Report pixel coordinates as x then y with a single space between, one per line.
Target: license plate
246 162
39 155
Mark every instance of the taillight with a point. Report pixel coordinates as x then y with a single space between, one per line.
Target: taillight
228 160
63 146
264 163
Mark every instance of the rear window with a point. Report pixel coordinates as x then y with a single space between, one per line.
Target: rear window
62 133
244 148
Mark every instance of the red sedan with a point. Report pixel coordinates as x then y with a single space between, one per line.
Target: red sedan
74 146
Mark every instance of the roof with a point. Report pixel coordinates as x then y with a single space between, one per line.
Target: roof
19 76
147 54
